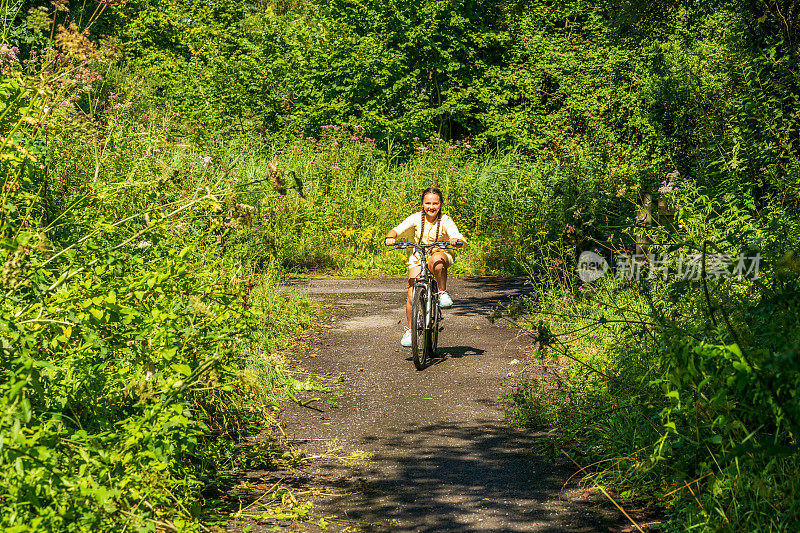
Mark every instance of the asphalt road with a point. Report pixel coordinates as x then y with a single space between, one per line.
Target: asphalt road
444 457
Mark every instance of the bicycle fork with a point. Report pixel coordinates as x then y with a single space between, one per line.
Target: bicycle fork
430 306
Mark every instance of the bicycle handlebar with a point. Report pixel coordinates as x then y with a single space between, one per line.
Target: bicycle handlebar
442 245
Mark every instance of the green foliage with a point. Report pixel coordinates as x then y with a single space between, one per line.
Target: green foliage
151 199
679 389
123 335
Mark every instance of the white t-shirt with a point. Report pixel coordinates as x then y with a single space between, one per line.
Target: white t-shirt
412 225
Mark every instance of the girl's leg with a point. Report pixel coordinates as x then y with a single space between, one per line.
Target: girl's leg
438 264
413 272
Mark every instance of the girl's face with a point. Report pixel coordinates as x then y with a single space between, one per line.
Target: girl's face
431 203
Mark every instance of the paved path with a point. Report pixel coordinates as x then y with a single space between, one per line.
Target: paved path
445 460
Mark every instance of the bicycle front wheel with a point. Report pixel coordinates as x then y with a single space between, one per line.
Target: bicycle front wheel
420 343
434 335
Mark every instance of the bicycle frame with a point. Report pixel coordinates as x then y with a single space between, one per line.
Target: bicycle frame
425 305
426 280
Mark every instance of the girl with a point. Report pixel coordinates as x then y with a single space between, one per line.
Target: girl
430 225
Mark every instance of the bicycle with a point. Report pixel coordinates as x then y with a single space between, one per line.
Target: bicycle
425 312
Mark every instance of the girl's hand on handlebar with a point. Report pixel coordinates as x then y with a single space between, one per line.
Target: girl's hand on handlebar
389 241
456 242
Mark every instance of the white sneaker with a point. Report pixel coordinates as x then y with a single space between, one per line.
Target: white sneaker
444 300
406 338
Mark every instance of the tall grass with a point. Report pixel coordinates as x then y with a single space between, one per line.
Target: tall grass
678 392
342 195
135 349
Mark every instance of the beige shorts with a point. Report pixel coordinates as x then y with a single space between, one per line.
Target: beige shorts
415 259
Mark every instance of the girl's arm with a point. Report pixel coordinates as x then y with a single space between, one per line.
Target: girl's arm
453 235
404 226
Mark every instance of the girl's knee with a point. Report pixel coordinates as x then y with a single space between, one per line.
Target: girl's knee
438 264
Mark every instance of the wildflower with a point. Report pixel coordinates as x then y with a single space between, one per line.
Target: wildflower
75 43
206 161
144 244
666 187
9 55
199 307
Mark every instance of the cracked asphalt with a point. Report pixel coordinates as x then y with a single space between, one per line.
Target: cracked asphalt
445 458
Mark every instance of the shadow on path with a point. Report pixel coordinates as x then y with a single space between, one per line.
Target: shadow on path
442 476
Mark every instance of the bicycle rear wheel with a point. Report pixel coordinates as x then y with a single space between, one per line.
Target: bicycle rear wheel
420 337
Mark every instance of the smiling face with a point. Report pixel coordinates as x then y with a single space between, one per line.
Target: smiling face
431 204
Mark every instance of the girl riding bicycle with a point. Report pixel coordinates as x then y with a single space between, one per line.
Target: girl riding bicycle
428 226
